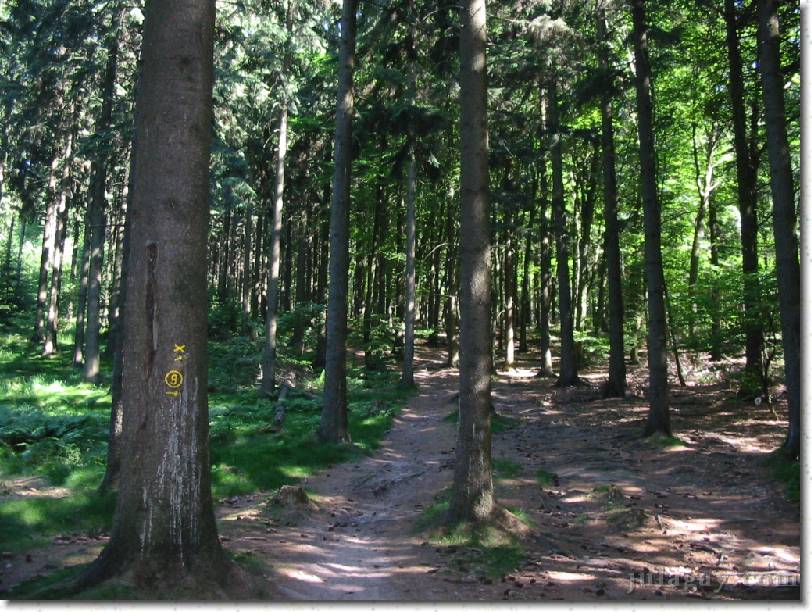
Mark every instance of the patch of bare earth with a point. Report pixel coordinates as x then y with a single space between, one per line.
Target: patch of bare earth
615 518
621 519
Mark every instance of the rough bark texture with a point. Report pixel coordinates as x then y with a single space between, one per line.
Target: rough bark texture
659 420
616 385
407 376
333 427
472 497
164 530
784 216
747 196
568 370
269 356
546 276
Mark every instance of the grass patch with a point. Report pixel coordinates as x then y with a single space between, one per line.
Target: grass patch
487 549
505 468
788 473
660 441
54 427
545 478
499 423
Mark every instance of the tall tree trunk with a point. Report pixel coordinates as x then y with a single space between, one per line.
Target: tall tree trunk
334 426
584 244
472 497
659 419
716 310
705 187
545 265
616 385
524 313
116 427
48 238
747 197
52 323
164 530
510 293
450 306
247 267
784 216
269 356
96 213
81 301
407 375
568 369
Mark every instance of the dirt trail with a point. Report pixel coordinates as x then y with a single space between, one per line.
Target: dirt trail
360 544
701 520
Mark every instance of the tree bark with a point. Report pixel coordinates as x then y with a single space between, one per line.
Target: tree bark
271 318
546 275
407 376
616 385
96 214
659 419
784 216
568 369
747 197
334 426
164 532
472 497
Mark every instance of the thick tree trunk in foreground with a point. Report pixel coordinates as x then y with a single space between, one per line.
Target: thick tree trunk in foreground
164 530
784 217
616 385
747 197
334 427
407 375
472 497
568 369
274 254
659 419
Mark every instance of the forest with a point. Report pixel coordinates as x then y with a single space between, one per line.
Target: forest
405 300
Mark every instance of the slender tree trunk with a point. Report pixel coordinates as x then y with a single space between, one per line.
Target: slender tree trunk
716 311
48 239
52 326
784 216
747 197
584 244
81 301
269 356
164 532
96 215
568 369
407 376
247 271
524 312
225 264
450 313
546 275
116 427
472 497
616 385
334 426
659 419
510 286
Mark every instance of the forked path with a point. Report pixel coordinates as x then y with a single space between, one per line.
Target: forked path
361 543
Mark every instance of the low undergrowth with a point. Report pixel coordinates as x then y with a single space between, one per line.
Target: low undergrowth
486 550
53 434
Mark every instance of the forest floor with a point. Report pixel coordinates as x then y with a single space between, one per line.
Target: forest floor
611 516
